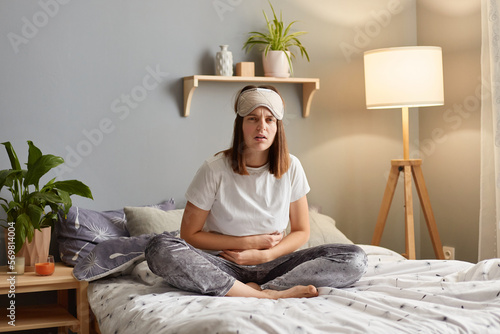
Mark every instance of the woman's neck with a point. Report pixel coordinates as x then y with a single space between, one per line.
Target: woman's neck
256 159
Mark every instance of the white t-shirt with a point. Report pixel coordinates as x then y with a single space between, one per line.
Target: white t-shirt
242 205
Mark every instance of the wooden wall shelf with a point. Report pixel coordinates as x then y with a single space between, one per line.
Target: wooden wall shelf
309 87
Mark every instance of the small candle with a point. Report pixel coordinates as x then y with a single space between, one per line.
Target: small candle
19 265
45 267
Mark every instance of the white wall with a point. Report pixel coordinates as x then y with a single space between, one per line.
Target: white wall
77 68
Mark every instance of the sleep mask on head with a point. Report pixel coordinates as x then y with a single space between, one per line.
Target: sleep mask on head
253 98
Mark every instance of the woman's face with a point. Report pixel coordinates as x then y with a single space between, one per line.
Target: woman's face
259 130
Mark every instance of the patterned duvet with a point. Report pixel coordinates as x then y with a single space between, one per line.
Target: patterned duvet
394 296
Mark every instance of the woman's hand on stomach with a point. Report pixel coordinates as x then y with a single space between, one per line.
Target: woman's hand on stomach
247 257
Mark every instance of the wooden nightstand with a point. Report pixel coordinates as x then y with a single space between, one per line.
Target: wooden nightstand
46 316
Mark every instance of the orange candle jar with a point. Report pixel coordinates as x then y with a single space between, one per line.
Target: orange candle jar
46 267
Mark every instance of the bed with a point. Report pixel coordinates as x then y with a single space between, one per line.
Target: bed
394 296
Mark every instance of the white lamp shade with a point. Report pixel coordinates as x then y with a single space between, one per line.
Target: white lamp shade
404 77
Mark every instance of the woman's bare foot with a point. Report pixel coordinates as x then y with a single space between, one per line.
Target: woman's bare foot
240 289
299 291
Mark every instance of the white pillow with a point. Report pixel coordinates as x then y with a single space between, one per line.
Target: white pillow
146 220
323 231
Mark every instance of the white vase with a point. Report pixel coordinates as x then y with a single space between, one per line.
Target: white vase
224 62
276 64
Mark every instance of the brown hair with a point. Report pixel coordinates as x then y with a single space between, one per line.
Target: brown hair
279 158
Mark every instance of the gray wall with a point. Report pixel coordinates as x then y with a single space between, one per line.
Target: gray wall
450 135
75 77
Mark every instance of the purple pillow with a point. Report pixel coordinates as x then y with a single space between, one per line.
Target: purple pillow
112 257
83 229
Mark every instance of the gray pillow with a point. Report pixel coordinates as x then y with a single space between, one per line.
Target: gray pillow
83 229
144 220
112 257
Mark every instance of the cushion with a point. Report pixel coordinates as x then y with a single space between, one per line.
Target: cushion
323 231
112 257
144 220
82 229
116 256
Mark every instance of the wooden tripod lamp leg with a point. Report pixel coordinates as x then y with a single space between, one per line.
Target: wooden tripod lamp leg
427 209
390 188
410 167
409 223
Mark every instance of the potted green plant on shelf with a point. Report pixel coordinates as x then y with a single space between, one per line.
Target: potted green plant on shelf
277 57
33 210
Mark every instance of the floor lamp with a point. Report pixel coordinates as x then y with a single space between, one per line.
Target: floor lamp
405 77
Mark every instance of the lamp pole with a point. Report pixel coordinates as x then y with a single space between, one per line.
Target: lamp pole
406 133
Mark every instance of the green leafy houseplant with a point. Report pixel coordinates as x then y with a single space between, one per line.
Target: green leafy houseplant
277 38
27 208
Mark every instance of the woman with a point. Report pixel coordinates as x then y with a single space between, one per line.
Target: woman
238 205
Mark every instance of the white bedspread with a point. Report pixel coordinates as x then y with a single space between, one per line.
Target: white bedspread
394 296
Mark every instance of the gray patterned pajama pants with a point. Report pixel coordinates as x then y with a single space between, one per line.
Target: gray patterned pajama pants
190 269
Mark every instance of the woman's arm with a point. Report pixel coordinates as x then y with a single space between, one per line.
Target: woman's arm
191 231
299 234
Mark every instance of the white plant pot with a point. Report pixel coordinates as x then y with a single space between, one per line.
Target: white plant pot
276 64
